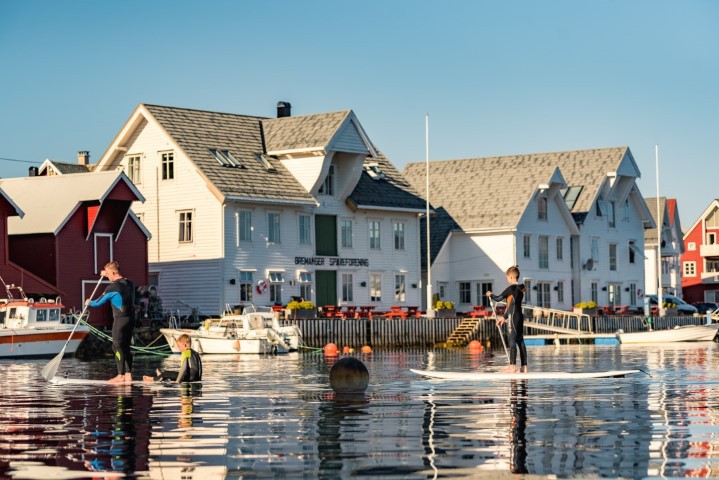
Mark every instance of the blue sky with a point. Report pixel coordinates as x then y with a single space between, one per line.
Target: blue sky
496 77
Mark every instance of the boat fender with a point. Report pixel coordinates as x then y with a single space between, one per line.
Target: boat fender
236 345
261 287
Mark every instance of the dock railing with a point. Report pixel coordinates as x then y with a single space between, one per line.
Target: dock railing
557 321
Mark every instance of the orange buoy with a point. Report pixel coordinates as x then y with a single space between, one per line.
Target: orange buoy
331 350
475 347
236 345
366 349
346 350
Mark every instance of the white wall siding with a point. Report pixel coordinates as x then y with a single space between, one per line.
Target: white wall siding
305 168
349 140
186 284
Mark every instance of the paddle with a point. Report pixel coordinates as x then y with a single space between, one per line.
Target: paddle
494 311
50 369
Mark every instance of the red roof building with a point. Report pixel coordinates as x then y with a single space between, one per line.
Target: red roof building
700 261
73 225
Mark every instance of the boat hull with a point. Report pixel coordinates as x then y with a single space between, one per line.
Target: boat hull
208 342
689 333
32 343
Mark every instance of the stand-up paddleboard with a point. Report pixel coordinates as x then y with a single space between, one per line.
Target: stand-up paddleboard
477 376
87 381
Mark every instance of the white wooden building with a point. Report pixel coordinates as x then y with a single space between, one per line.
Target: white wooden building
572 221
671 245
245 209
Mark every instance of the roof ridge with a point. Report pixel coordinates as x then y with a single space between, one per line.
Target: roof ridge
522 155
200 110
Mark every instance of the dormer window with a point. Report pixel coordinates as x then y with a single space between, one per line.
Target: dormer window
265 163
374 171
541 208
225 158
570 195
601 209
327 187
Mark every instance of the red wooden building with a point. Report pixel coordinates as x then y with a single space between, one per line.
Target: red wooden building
73 225
13 274
700 261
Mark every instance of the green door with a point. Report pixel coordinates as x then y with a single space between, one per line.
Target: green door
326 287
326 235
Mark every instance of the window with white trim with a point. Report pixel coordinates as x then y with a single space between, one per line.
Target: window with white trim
133 169
560 292
612 215
346 233
245 226
167 160
613 257
327 187
543 294
442 289
400 287
465 292
690 269
347 284
543 249
691 246
526 245
304 224
246 284
276 281
375 287
374 235
306 285
594 289
541 207
185 221
398 235
595 250
273 227
560 248
632 294
626 209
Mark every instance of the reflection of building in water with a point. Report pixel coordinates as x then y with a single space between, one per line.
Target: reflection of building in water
183 445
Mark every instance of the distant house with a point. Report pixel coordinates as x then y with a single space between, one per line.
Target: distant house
672 247
73 225
573 221
700 260
245 209
11 273
53 167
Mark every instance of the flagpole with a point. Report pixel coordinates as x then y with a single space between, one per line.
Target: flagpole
660 224
430 309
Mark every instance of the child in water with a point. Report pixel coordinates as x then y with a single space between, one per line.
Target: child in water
514 294
190 368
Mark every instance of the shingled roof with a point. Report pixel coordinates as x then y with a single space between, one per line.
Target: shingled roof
306 132
198 131
650 234
69 168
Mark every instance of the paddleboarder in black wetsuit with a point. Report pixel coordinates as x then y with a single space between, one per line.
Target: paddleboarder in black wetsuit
121 295
514 294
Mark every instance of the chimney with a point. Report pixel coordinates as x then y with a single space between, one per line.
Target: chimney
32 172
83 157
284 109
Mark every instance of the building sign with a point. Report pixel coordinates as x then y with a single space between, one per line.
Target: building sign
333 261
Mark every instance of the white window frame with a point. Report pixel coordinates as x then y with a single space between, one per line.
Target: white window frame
542 208
375 287
305 279
167 165
109 236
304 223
328 185
613 260
134 162
544 294
560 292
560 248
246 285
691 246
186 234
347 287
245 226
274 232
346 233
375 234
527 246
398 234
543 252
612 215
690 269
400 287
465 292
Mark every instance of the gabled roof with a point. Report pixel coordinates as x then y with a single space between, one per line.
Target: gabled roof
713 205
11 202
196 132
63 168
481 193
50 201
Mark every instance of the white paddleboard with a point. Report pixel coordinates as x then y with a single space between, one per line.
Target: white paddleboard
476 376
87 381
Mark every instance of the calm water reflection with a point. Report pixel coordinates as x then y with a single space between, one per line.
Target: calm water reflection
270 417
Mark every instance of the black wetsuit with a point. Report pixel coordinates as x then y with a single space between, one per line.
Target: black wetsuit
121 295
190 369
515 296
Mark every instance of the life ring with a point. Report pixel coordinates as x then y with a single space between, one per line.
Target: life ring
261 287
639 292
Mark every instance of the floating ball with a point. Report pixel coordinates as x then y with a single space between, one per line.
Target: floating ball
349 375
346 350
331 350
474 346
366 349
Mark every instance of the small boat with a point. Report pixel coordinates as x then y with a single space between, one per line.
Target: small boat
498 376
687 333
255 330
30 328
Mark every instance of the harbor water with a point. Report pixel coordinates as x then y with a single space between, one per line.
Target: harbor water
277 417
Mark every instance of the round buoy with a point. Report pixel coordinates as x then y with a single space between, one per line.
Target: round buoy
236 345
346 350
331 350
366 349
474 346
349 375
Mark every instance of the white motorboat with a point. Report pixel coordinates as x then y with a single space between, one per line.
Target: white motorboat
30 328
255 330
687 333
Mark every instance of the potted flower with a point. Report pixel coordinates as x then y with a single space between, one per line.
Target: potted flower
586 308
301 310
444 309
